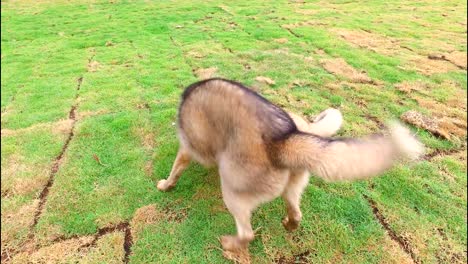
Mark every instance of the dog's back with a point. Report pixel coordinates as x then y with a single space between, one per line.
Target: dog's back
218 115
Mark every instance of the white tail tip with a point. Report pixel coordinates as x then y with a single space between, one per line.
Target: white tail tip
407 144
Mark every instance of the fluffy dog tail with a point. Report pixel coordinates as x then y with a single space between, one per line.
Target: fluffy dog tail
349 159
326 124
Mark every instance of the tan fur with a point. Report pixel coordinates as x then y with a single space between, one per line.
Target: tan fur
261 155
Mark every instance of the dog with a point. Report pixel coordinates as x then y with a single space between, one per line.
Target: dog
263 152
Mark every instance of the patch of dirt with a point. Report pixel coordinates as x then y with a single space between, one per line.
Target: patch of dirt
371 41
441 110
300 258
24 186
174 215
14 223
341 67
408 87
62 127
143 216
428 66
320 52
458 100
83 114
458 58
453 126
304 24
398 256
55 253
147 137
195 54
306 12
265 80
281 40
226 9
430 124
93 66
241 257
458 153
59 127
205 73
108 250
149 166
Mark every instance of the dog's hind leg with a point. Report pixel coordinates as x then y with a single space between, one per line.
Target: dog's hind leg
180 164
292 195
241 209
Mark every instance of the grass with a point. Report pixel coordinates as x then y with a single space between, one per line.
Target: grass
122 66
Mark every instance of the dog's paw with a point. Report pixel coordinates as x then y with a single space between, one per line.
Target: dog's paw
290 225
163 185
229 243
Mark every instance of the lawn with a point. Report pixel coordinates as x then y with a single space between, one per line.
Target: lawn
89 97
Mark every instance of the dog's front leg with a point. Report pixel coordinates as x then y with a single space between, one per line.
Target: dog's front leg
180 164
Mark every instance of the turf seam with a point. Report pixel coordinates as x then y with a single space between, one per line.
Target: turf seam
119 227
443 58
292 32
442 153
58 160
401 241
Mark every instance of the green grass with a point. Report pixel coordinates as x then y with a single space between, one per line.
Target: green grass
135 58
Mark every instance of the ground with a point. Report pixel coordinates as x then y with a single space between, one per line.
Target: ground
89 95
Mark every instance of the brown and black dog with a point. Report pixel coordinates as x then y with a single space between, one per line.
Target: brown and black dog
262 152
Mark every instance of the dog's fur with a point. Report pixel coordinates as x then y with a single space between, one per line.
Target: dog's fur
263 152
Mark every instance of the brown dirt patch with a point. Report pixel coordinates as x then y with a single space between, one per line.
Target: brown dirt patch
265 80
304 24
458 100
428 66
195 54
149 166
62 126
242 257
430 124
143 216
55 253
59 127
341 67
146 137
298 258
281 40
440 110
15 223
18 178
205 73
458 58
408 87
306 11
83 114
395 251
23 186
371 41
108 249
93 66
